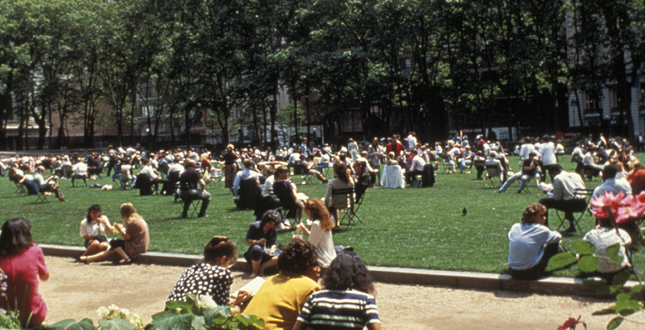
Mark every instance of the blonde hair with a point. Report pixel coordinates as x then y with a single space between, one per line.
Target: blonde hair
129 213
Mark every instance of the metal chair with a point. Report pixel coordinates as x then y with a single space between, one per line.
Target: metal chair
581 196
41 197
195 204
349 213
494 171
21 190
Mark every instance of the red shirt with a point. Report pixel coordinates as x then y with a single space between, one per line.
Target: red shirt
397 148
23 271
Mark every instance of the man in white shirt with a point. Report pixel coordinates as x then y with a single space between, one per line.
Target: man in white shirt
416 167
548 156
466 159
246 174
47 185
80 171
562 197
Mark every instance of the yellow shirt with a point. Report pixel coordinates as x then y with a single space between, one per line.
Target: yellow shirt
280 299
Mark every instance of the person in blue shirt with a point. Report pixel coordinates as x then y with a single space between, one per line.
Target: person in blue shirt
531 244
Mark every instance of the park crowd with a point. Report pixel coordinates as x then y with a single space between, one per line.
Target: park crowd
317 285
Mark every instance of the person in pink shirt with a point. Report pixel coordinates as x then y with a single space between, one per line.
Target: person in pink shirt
23 263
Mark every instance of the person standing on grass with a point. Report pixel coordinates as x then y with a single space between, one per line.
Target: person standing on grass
531 244
22 264
135 238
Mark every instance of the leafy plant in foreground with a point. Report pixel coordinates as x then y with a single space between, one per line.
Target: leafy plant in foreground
619 209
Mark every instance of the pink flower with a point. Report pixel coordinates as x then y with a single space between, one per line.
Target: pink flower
619 207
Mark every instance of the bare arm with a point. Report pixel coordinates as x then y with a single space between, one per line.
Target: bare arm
374 326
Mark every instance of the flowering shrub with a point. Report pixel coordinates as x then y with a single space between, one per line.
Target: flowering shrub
8 319
114 312
618 207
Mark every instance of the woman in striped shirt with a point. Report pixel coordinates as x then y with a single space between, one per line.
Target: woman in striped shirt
346 302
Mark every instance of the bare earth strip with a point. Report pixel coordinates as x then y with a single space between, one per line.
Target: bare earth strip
77 290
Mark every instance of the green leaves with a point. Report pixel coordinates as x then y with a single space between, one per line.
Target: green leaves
116 324
584 247
561 260
588 264
84 324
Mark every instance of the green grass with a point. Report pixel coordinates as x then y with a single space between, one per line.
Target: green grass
419 228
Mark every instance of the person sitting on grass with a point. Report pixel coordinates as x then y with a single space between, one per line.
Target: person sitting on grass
281 298
211 277
602 237
347 298
261 238
320 233
531 244
94 229
135 238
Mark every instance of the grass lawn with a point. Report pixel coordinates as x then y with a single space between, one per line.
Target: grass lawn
419 228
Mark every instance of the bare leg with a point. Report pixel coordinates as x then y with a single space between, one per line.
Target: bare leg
98 257
255 264
320 177
124 256
96 247
271 263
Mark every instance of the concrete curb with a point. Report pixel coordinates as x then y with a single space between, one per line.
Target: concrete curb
394 275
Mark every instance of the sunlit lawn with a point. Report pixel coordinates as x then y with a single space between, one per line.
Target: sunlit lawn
420 228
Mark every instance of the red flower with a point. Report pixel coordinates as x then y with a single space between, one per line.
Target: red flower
571 323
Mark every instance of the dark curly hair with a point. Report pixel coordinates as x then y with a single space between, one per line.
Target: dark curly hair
270 216
297 256
220 246
16 236
346 272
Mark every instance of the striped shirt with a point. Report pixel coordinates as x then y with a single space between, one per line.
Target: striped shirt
338 309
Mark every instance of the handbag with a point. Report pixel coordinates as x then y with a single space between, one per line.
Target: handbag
207 176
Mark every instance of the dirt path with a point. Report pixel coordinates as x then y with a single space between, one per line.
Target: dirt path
77 290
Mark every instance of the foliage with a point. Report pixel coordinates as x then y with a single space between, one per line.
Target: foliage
114 312
201 312
627 301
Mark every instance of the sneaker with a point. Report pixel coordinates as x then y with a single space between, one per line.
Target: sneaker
63 200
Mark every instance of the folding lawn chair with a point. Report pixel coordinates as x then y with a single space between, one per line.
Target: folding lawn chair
581 197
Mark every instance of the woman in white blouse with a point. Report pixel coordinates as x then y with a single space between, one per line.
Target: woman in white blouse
320 233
